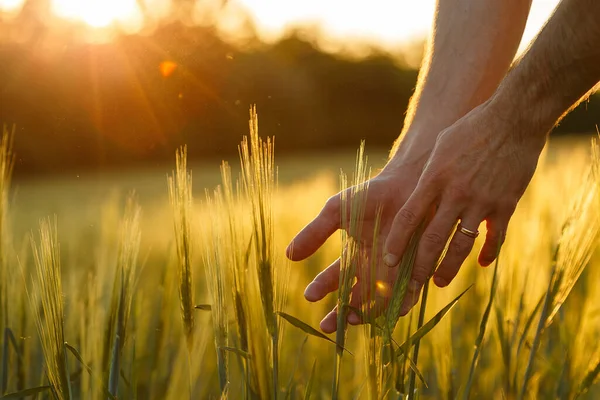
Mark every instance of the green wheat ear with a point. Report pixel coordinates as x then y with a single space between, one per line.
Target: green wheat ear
353 201
180 194
46 298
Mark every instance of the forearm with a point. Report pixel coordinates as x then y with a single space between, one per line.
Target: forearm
558 71
471 47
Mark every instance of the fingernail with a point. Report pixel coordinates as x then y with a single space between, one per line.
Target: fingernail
353 318
391 260
440 282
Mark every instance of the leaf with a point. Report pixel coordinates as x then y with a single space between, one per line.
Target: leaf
588 380
418 373
25 393
74 351
225 393
77 355
529 322
239 352
203 307
290 385
425 329
305 327
311 381
482 328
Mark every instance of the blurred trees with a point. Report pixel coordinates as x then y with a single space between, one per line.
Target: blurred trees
109 105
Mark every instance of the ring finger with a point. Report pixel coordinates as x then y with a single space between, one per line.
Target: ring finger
459 248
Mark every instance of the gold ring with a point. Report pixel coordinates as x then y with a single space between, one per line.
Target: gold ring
468 232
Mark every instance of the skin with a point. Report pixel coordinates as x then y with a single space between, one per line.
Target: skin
477 57
465 156
481 165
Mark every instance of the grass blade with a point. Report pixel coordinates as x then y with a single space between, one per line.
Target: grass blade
238 352
26 393
4 380
588 380
412 376
311 381
538 333
203 307
426 328
75 353
288 391
482 329
303 326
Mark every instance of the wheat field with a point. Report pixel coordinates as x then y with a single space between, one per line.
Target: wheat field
173 284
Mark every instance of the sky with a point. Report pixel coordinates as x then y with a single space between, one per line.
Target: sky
386 23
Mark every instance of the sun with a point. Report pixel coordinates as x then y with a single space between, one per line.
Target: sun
97 13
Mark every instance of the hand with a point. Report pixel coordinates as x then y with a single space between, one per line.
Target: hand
389 190
477 171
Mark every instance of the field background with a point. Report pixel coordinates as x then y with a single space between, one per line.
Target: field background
88 207
98 115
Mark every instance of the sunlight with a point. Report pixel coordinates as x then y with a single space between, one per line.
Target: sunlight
97 13
11 5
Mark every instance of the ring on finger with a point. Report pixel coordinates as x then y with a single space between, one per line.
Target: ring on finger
468 232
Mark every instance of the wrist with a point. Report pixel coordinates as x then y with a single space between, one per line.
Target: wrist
412 149
524 110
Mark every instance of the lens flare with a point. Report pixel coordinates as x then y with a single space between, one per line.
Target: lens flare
167 68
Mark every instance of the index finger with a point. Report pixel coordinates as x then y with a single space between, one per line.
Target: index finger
406 222
313 235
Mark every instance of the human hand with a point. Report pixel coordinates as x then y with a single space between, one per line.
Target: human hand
388 190
477 171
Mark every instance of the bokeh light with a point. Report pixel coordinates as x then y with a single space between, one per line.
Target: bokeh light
98 13
11 6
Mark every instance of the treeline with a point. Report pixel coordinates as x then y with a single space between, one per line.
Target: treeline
135 100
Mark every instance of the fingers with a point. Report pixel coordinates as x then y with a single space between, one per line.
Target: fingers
411 298
329 323
313 235
326 282
432 244
496 233
405 223
459 248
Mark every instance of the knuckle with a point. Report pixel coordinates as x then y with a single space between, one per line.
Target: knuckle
332 207
459 193
433 240
420 273
433 175
408 217
508 206
486 201
460 247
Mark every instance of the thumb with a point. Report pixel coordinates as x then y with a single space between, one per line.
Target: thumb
313 235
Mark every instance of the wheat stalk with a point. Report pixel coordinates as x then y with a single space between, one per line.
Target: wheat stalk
46 300
180 194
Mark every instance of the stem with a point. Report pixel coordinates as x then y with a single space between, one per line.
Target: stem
339 339
275 356
412 377
189 358
538 334
482 329
4 383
